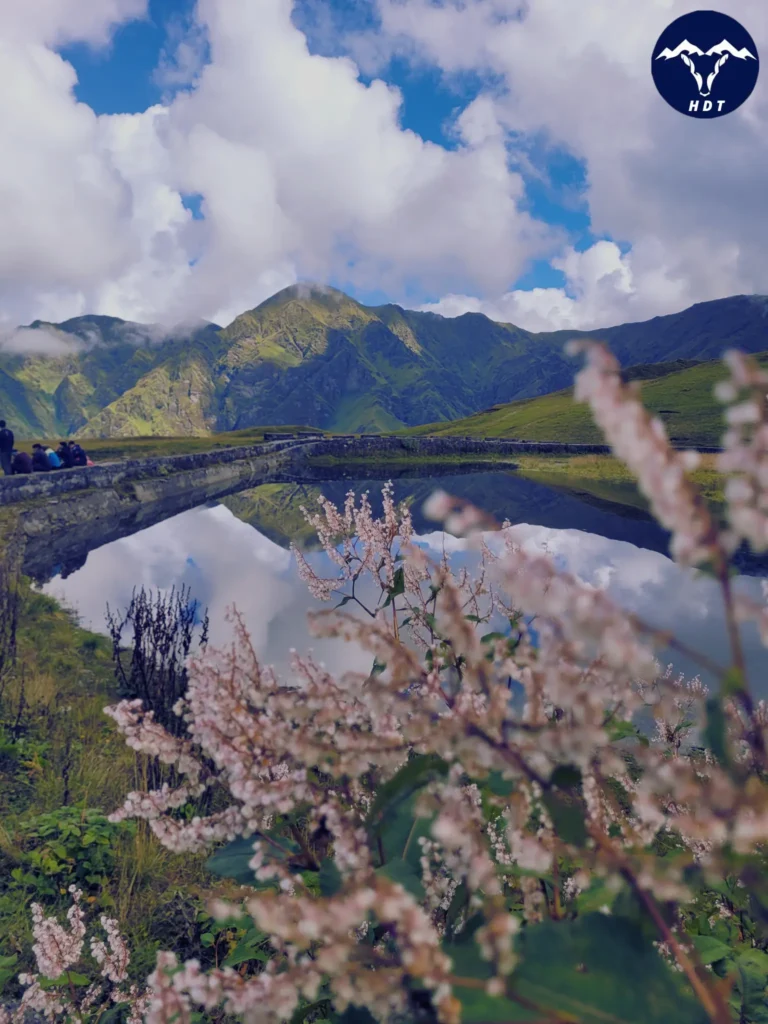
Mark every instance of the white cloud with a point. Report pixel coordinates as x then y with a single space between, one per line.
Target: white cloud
42 341
603 287
184 55
65 216
688 196
57 22
306 172
225 561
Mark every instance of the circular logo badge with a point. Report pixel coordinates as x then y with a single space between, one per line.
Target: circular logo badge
705 64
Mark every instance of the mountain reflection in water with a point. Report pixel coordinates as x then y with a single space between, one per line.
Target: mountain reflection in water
236 553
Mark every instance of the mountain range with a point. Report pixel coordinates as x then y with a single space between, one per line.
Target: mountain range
313 355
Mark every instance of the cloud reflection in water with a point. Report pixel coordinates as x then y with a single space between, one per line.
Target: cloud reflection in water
227 562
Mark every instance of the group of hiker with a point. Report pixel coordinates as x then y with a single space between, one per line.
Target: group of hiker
43 458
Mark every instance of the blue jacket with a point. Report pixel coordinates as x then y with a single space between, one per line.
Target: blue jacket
53 458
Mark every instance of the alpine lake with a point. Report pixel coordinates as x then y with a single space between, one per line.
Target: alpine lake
235 553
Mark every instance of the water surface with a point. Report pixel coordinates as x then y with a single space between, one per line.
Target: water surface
235 552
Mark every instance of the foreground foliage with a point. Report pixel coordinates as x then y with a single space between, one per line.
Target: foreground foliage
479 829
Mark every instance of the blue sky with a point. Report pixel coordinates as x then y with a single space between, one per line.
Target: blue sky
550 193
122 79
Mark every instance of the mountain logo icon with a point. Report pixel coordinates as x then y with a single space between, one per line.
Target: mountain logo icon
712 76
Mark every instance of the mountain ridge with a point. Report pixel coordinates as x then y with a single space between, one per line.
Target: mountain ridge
311 353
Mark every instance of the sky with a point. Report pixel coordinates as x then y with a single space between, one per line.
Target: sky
165 160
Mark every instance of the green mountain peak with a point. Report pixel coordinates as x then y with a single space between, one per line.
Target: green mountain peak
308 292
312 354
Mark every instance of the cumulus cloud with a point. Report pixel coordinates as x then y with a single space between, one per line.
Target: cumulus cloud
305 170
57 22
603 287
183 57
687 196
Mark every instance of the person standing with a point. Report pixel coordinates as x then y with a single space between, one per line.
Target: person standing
6 448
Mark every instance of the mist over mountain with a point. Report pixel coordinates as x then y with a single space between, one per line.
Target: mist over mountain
311 354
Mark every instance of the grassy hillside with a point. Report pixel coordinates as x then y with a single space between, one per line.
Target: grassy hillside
113 448
683 398
313 354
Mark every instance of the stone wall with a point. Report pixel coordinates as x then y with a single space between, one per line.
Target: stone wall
227 462
34 486
370 445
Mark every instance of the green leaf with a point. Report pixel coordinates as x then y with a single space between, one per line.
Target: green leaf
397 588
329 877
566 776
345 600
566 805
567 818
113 1014
414 775
627 907
245 951
750 991
232 860
68 978
378 667
401 830
400 871
8 969
311 880
476 1005
459 902
207 938
465 953
598 895
621 730
355 1015
710 949
304 1011
601 969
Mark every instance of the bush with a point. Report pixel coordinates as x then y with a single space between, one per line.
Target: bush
69 846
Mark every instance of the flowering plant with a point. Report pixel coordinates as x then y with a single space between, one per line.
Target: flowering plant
59 989
477 829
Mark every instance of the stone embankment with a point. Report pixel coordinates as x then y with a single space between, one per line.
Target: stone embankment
151 478
58 517
374 445
222 463
62 515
